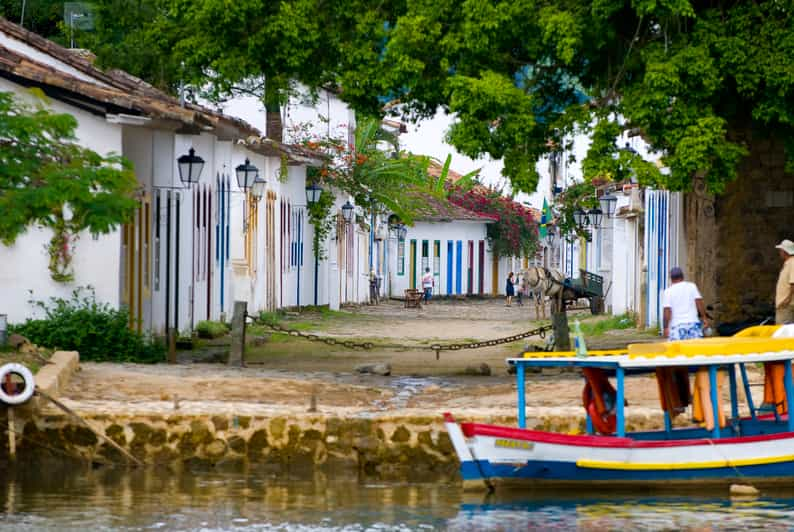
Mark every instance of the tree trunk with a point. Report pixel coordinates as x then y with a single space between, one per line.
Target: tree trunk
273 125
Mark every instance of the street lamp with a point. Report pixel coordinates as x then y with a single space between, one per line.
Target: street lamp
550 236
190 167
607 202
347 211
594 217
246 175
580 217
258 188
313 193
402 232
72 16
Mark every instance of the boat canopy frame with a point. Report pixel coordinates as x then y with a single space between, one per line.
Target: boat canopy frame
623 364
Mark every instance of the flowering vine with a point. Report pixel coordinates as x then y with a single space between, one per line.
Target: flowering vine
60 250
514 232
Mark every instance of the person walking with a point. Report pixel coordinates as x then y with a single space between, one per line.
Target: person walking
510 289
784 291
427 284
522 289
684 312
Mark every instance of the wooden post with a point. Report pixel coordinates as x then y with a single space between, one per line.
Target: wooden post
12 435
171 346
237 352
559 320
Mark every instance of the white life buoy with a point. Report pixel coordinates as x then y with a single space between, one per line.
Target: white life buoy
27 377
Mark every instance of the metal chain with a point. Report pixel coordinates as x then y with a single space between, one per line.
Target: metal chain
437 348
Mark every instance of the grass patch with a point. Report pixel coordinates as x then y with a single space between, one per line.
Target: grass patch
211 329
611 323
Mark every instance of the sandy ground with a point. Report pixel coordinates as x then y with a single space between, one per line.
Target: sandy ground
288 372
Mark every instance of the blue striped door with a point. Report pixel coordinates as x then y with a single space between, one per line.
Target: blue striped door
458 266
450 257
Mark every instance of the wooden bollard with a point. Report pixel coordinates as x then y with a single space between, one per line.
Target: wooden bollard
237 350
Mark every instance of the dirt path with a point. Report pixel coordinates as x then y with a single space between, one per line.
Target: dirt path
285 371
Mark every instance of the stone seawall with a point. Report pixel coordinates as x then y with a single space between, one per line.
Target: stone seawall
385 446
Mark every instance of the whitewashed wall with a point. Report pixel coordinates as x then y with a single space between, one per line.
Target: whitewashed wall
96 262
462 231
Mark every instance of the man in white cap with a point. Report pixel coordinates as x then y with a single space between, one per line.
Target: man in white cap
784 292
684 313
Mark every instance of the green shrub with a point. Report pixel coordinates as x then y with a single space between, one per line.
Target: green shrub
611 323
211 329
97 331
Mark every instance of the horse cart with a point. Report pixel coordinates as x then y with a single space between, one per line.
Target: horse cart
552 283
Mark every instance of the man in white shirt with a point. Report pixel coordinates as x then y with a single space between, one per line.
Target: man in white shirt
427 284
784 291
684 311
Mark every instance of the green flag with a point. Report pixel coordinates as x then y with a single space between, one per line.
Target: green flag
544 219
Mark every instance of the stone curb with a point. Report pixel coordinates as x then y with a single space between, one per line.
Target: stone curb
53 378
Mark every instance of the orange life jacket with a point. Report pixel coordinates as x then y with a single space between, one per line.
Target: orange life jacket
775 386
596 388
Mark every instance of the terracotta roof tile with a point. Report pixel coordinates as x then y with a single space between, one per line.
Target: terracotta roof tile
434 209
123 91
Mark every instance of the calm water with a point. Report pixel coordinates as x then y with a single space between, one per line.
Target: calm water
84 499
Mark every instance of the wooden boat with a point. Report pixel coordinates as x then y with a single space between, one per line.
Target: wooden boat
726 448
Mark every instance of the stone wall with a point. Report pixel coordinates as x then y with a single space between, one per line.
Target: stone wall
731 237
383 447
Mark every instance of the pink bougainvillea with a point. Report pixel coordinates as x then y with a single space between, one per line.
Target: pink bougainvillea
515 231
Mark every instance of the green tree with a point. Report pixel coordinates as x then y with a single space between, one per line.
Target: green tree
47 179
372 170
692 77
41 16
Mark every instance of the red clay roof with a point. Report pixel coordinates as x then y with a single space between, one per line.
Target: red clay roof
123 91
434 209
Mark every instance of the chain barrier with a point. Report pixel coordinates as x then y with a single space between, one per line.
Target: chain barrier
437 348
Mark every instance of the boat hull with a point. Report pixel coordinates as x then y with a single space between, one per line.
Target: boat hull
493 456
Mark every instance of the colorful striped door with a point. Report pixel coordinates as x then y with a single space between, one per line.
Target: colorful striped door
450 258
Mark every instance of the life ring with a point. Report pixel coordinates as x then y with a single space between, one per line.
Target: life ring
9 396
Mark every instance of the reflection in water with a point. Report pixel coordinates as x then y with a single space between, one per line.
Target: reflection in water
112 499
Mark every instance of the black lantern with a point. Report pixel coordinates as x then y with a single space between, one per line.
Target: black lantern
595 217
608 202
347 211
190 167
580 217
258 188
313 193
550 236
246 175
402 232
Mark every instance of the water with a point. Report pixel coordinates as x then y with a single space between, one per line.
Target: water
84 499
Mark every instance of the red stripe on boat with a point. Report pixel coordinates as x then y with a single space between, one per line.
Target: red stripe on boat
477 429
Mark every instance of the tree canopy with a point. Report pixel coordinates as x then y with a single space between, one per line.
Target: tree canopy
691 77
47 179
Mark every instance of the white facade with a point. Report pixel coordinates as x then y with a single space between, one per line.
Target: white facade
456 253
24 274
189 252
